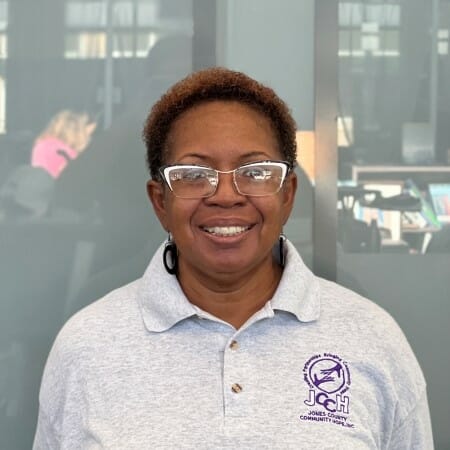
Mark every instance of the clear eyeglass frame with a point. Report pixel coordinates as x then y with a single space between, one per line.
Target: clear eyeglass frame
255 179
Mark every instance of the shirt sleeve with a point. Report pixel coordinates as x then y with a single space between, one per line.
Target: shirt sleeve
61 399
45 437
415 432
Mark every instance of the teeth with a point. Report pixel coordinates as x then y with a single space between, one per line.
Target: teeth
225 231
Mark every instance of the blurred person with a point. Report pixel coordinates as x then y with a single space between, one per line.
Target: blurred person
26 193
65 137
229 340
107 181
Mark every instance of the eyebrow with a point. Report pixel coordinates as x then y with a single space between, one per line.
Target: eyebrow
256 153
245 156
195 155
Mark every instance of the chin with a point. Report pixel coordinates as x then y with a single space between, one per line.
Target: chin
222 263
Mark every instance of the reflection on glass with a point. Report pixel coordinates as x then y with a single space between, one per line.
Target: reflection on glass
3 57
3 14
86 13
394 173
136 25
75 221
393 122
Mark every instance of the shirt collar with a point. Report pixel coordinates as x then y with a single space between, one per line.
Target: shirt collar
299 290
161 298
163 303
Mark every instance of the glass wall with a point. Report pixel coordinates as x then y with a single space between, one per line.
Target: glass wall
86 73
3 56
394 141
244 43
394 173
82 75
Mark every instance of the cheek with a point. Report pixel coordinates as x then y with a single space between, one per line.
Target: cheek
180 212
269 205
271 210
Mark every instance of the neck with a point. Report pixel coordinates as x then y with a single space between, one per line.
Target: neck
230 297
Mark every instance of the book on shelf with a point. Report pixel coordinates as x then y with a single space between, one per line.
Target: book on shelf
426 217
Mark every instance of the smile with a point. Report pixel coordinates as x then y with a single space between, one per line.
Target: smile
226 231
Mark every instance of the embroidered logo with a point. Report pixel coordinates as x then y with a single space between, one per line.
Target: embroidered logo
328 379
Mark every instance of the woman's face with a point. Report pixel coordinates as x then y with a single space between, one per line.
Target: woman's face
223 135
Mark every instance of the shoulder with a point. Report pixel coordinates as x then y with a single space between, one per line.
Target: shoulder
357 313
99 323
51 145
343 300
361 321
89 333
48 143
380 349
80 351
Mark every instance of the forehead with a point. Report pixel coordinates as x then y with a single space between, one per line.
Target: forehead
220 128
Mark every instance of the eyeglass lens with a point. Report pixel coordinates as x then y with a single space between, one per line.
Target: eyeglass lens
251 179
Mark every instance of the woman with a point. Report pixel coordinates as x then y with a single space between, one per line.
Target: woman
228 340
65 137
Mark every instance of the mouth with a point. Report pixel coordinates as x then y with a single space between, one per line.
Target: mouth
226 231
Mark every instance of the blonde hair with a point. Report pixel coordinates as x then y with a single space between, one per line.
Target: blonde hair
74 129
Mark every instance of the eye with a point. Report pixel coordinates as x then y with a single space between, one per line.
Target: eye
193 174
256 173
189 174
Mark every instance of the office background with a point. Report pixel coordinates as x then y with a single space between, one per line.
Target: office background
368 83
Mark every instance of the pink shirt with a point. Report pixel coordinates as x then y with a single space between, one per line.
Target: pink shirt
49 152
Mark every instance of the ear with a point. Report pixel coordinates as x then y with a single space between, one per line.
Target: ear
288 195
156 194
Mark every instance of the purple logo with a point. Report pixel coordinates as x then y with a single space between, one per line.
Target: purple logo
328 377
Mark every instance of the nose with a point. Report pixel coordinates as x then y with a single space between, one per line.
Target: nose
226 194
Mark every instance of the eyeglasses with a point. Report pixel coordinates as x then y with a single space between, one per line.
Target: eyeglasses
255 179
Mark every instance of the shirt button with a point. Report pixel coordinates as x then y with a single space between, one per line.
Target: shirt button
234 345
236 388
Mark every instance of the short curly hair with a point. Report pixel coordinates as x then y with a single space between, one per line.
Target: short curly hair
215 84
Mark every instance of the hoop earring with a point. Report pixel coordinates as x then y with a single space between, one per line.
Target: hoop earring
281 253
170 256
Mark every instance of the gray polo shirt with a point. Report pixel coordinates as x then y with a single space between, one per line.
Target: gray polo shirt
317 367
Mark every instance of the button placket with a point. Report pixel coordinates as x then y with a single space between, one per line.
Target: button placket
235 395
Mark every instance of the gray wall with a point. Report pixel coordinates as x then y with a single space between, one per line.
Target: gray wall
273 42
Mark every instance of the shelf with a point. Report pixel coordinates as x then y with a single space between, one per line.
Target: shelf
422 175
